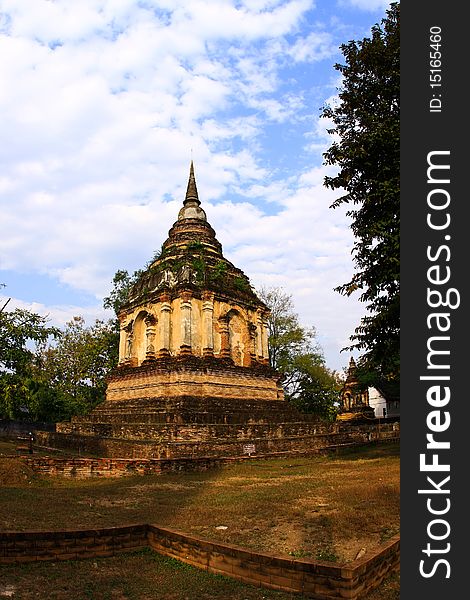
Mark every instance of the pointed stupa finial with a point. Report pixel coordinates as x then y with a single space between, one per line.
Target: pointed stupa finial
351 369
351 374
191 204
191 192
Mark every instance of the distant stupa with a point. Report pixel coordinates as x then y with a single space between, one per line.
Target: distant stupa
354 397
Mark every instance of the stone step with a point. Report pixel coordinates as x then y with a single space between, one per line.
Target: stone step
194 410
194 417
193 402
125 448
187 432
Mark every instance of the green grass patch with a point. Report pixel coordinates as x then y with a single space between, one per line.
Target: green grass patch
142 575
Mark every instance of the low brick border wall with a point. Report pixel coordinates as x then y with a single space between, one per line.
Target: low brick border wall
115 467
315 579
32 546
118 467
320 580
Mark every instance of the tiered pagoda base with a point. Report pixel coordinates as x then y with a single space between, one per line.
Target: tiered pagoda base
197 377
189 408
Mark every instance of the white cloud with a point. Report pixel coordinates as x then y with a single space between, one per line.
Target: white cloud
58 315
216 19
103 102
51 21
316 46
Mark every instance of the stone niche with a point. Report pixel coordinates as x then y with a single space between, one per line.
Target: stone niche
193 376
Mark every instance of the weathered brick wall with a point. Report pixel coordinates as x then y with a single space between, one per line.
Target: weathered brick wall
314 579
117 467
11 428
320 580
218 380
216 447
189 432
30 546
80 468
191 409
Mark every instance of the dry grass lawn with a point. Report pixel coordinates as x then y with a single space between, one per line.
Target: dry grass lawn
323 507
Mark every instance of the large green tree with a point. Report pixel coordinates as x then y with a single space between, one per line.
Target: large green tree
49 374
318 391
286 337
77 365
295 352
21 333
367 154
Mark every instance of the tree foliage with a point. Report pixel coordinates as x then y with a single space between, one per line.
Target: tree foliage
287 338
77 365
318 391
48 374
366 121
295 352
21 333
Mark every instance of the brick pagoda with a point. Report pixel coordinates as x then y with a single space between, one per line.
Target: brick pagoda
193 377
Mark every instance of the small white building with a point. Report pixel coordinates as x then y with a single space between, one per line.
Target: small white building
383 406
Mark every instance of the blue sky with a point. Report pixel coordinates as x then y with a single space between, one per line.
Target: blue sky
105 102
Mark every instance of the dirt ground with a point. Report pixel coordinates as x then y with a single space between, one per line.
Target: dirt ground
328 508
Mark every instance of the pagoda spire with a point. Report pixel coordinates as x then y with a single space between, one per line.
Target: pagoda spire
191 192
191 208
351 375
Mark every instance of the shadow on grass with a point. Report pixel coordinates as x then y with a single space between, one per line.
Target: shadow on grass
142 575
368 452
58 503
